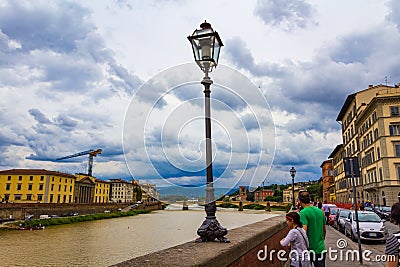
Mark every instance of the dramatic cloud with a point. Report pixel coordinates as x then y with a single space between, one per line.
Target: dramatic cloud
286 14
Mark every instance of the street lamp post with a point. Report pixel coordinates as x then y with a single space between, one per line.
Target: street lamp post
293 173
206 45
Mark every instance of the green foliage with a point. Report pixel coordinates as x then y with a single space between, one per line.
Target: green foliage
274 198
82 218
228 205
254 207
315 191
250 196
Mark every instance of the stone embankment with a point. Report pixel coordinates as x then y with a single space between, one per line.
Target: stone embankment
247 248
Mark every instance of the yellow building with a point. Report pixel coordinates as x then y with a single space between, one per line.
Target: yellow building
378 126
36 186
370 130
342 194
102 191
288 193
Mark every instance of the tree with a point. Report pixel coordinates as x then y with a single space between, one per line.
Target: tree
315 191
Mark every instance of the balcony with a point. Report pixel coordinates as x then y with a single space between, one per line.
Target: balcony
371 186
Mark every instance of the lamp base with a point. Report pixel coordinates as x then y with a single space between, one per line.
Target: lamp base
210 230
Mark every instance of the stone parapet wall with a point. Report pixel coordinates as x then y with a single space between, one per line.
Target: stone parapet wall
20 210
246 242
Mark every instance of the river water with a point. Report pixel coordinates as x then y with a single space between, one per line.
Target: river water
106 242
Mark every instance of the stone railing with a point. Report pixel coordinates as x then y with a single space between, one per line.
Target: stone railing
247 248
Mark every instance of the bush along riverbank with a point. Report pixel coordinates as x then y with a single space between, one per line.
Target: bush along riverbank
72 219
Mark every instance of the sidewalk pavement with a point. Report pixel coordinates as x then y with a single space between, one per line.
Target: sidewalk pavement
342 246
343 257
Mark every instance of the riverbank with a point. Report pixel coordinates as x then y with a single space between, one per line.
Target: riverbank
69 220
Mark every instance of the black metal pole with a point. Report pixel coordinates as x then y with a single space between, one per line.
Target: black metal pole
293 202
211 228
356 211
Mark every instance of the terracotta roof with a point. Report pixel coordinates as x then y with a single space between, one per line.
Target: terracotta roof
36 172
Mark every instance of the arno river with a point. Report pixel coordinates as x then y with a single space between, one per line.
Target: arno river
106 242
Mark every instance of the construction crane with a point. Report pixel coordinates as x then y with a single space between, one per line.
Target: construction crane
92 153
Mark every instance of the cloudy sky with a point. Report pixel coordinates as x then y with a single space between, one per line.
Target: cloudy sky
118 75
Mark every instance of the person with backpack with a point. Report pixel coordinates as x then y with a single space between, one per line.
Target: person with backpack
393 241
297 240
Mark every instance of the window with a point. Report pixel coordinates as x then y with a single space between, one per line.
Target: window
29 197
41 178
8 186
70 189
59 187
30 187
9 178
394 110
381 175
376 135
19 186
52 188
19 178
65 189
30 178
40 186
51 198
17 197
40 197
378 153
397 150
394 129
52 179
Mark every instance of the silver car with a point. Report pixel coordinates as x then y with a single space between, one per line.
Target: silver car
341 219
371 226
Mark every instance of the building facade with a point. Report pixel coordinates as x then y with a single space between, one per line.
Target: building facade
260 195
102 191
328 182
121 191
288 193
149 192
36 186
371 131
342 194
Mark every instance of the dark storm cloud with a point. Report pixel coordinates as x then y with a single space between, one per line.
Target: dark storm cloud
65 122
39 116
58 42
239 53
356 48
38 25
285 14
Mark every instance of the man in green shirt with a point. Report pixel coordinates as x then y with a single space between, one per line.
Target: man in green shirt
313 220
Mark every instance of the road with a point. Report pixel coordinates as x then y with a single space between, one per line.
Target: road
342 256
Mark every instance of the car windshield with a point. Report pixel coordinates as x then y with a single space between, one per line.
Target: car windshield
334 211
386 209
344 213
367 217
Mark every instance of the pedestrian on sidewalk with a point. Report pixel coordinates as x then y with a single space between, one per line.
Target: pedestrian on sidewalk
297 240
313 220
393 241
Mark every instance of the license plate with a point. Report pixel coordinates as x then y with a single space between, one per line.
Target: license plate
372 235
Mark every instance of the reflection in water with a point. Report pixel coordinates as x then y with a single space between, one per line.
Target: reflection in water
106 242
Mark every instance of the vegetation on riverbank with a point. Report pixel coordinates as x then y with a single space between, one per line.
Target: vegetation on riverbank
75 219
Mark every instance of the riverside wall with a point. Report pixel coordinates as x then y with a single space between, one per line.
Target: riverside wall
246 242
18 211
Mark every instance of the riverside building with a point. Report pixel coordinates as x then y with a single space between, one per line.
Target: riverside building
370 122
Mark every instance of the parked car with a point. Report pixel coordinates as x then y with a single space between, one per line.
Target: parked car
341 216
384 212
44 216
370 225
332 215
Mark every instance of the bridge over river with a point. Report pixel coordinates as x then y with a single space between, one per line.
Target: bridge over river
107 242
